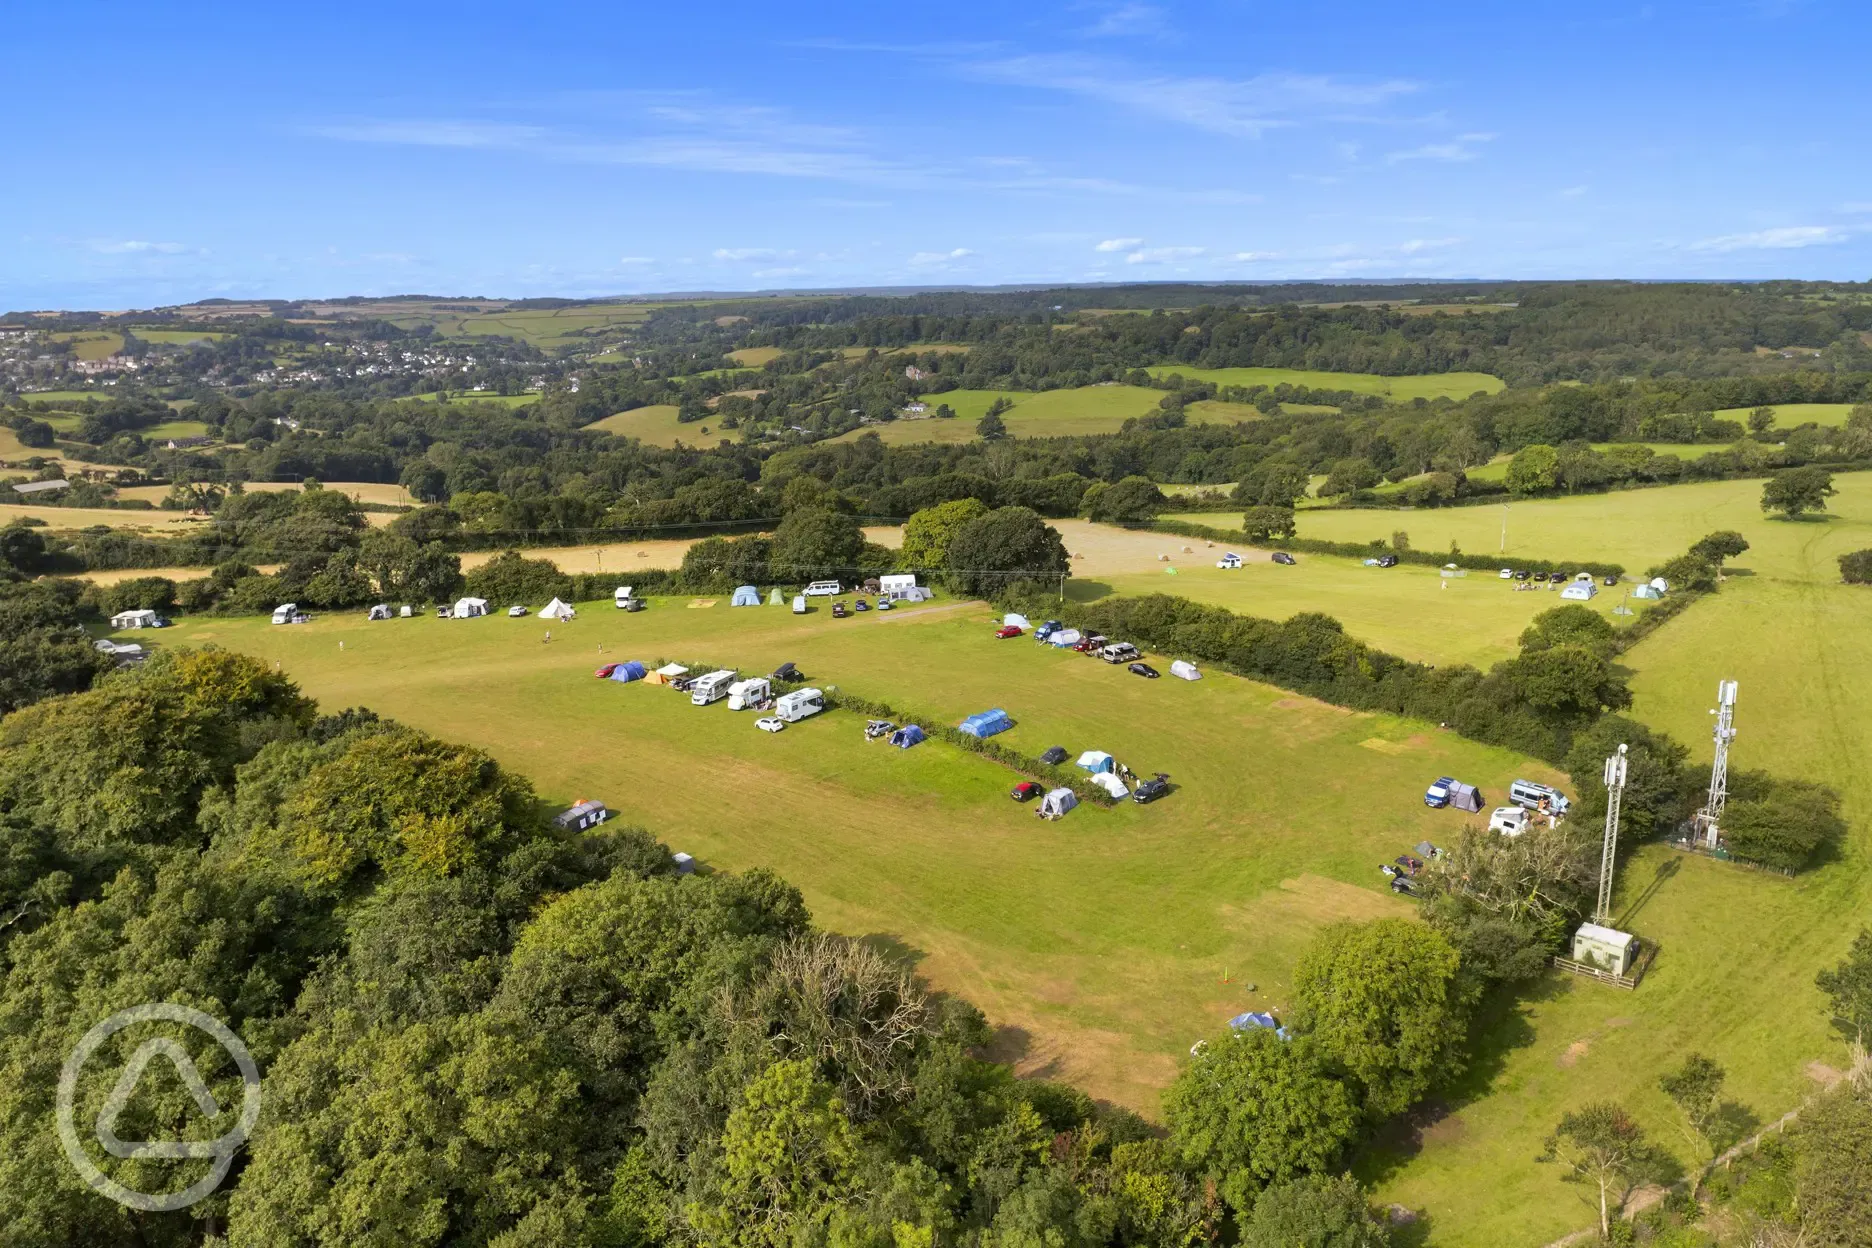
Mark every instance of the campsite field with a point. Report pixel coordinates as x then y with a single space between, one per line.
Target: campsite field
1103 945
1406 610
1637 528
1402 389
621 557
62 518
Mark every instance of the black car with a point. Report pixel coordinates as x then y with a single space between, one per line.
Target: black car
1143 669
1521 574
1152 789
1387 561
1611 580
1281 556
838 610
1558 578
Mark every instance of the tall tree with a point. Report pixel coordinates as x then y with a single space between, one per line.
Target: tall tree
1796 491
1602 1147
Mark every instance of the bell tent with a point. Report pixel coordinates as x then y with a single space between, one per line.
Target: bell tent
557 610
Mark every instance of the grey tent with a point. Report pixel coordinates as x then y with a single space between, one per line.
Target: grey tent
1055 756
380 612
1056 803
1465 796
746 596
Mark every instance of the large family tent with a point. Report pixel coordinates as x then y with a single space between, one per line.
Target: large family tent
1057 802
906 736
1096 761
746 596
1016 619
1111 784
986 723
557 610
627 672
1465 797
468 608
1580 591
1185 671
1064 637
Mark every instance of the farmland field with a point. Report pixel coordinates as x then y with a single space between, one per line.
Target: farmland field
469 396
1406 610
1043 414
1788 415
92 345
1402 389
363 491
59 518
656 425
56 398
1637 528
755 357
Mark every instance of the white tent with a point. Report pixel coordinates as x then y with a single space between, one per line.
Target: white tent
1185 671
1096 761
669 670
1111 784
775 598
468 607
1580 591
405 613
1057 802
380 612
1660 584
556 610
1064 637
1016 619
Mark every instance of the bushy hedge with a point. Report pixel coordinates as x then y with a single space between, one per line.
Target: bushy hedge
1856 568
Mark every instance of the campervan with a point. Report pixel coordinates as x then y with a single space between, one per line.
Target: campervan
621 597
710 688
822 589
1534 796
795 706
284 613
1229 560
747 694
1508 820
1118 652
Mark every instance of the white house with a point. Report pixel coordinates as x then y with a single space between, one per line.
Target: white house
135 619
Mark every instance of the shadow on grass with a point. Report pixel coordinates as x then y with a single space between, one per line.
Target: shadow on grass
1502 1026
894 949
1087 591
1665 872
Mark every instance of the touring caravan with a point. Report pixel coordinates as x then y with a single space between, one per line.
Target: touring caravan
795 706
710 688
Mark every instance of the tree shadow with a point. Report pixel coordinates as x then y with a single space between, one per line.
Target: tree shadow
1410 1228
1666 871
1732 1123
894 949
1087 591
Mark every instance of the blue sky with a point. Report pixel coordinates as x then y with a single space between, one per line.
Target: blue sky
165 153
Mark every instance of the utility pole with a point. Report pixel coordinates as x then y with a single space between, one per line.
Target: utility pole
1615 792
1719 771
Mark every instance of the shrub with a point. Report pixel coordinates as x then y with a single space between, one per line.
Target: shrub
1856 568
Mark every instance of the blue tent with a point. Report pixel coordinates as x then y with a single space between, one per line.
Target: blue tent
627 672
746 596
1245 1022
986 723
906 736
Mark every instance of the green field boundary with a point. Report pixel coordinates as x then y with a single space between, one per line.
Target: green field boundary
1356 550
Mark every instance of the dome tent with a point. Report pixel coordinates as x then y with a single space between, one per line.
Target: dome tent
907 736
746 596
627 672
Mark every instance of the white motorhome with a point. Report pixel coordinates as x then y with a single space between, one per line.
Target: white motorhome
795 706
898 587
1509 821
621 596
747 694
710 688
284 613
822 589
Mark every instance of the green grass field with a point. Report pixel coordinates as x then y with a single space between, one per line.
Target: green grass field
1405 610
1789 415
469 396
1044 414
1637 528
176 429
178 337
92 344
657 425
1403 389
755 357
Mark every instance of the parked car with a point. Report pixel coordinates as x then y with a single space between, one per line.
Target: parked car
1522 574
1008 630
838 610
1089 643
1611 580
1047 629
1282 557
516 611
1152 789
1118 652
859 604
1025 791
1142 669
876 729
1507 574
799 604
1558 578
884 604
770 723
604 672
1387 561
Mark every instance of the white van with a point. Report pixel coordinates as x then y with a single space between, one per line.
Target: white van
1508 820
284 613
823 589
620 597
1118 652
1526 793
799 604
746 694
710 688
795 706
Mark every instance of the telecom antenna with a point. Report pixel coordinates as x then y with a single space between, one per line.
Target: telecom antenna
1615 792
1719 772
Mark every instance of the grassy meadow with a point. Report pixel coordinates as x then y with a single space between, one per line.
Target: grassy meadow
1791 415
469 396
1041 414
1400 389
755 357
657 425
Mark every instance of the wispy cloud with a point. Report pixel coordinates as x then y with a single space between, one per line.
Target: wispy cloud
1781 238
1461 148
792 271
938 259
1162 255
1416 245
1130 21
1258 257
1119 244
1246 107
135 246
636 260
758 254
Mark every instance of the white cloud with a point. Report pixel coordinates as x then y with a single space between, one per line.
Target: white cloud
1574 192
738 254
1778 239
1246 106
636 260
1130 21
1257 257
926 259
1416 245
135 246
1161 255
1461 148
782 272
1119 244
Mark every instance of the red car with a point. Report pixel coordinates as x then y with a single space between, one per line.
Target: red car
604 673
1025 791
1086 645
1008 630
